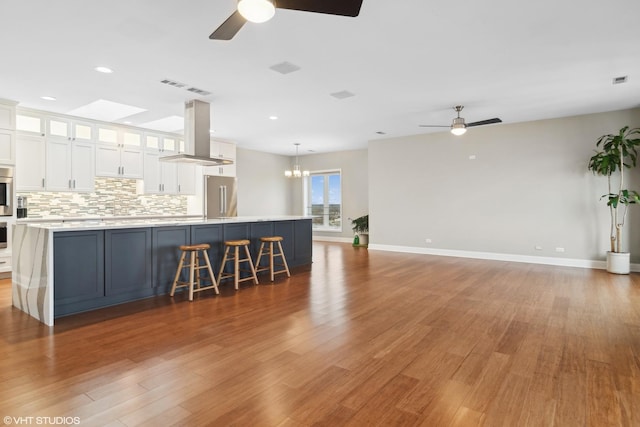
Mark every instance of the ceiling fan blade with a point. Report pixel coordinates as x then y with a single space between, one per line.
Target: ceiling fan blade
484 122
434 126
229 28
331 7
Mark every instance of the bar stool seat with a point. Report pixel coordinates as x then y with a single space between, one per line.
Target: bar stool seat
267 248
195 279
232 253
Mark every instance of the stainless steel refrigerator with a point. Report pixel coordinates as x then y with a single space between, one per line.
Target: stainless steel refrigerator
221 196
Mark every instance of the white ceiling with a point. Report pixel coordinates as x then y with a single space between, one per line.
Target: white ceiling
408 62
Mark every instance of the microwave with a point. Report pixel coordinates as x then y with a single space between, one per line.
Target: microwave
6 191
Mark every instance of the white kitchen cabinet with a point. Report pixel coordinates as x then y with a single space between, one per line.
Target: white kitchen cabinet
7 115
186 179
119 153
69 166
28 123
162 143
7 146
69 130
222 150
159 177
30 163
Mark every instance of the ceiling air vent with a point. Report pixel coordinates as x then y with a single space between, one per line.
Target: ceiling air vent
172 83
621 79
198 91
342 94
284 68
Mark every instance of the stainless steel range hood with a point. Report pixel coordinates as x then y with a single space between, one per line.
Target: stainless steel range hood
196 135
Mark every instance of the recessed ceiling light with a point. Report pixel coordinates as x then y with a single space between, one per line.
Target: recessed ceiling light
273 117
105 70
127 122
48 98
211 131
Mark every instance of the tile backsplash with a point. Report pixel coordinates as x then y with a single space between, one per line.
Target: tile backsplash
111 197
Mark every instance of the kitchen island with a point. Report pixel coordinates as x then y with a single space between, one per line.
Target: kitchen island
61 268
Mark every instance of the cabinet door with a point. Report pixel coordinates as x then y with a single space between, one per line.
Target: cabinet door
30 163
7 146
169 177
151 174
82 166
58 166
107 160
7 117
127 261
213 235
285 229
166 255
302 244
186 179
78 268
131 160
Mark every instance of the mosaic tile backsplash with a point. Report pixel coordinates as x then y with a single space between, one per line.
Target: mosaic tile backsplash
112 197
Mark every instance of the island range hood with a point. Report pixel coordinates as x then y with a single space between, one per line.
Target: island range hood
196 134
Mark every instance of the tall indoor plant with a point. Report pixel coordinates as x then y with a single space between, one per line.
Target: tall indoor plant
615 154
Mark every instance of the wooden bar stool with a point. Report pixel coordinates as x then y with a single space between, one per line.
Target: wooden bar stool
267 248
235 257
194 267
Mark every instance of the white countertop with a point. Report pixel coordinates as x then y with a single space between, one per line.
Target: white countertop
102 223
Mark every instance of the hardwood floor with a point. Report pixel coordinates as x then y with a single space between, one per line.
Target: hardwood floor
362 338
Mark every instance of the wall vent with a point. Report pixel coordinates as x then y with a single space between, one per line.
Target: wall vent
621 79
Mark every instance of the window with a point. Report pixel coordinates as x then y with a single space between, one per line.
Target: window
324 200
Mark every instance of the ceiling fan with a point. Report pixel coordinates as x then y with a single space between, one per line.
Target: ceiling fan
459 127
263 10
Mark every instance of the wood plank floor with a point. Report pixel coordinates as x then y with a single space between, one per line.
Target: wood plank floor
362 338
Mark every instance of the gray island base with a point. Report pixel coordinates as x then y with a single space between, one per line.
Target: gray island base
65 268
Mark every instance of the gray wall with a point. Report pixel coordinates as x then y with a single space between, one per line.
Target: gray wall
528 186
355 185
262 187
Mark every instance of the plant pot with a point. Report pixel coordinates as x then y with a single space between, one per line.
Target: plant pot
618 262
364 238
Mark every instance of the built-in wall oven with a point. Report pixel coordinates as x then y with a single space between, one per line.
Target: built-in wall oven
6 191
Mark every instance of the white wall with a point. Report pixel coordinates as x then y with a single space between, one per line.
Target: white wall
262 186
528 186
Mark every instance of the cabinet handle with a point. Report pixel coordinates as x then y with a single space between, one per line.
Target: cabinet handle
74 183
123 170
179 189
3 262
159 187
70 184
42 182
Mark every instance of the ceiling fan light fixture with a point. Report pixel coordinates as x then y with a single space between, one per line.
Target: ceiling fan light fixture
458 127
257 11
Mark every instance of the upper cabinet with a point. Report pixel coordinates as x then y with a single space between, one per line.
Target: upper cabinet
119 153
30 163
70 130
7 132
222 150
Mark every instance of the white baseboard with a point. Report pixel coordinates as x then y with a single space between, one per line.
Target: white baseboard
565 262
333 239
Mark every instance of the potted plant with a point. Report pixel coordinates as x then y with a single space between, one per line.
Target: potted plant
616 153
360 227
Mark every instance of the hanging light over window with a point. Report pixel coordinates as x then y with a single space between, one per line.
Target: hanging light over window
296 172
256 10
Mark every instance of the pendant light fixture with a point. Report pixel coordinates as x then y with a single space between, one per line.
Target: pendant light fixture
257 11
296 172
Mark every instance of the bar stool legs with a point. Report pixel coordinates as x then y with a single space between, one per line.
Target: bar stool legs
195 280
267 248
233 246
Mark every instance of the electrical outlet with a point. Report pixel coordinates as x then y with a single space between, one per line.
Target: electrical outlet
538 248
472 157
427 240
559 249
